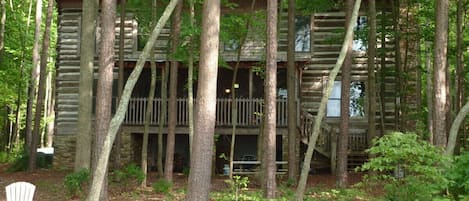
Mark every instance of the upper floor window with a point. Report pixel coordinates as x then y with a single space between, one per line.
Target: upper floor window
359 42
357 99
303 34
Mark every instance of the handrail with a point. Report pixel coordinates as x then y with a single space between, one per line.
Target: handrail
249 112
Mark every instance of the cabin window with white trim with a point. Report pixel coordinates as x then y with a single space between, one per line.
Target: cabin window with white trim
303 33
357 99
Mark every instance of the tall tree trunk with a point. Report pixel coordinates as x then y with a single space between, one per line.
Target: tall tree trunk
104 85
172 116
199 176
270 88
103 160
441 102
163 115
459 85
382 74
322 107
34 75
41 87
429 90
190 77
85 90
342 145
3 18
453 134
120 79
149 109
51 111
371 71
148 115
292 96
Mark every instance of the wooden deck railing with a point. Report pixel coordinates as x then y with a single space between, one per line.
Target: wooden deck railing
249 112
326 142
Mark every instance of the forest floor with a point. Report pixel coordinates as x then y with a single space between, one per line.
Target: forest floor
50 187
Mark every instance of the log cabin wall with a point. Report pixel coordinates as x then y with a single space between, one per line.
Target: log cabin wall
327 39
68 65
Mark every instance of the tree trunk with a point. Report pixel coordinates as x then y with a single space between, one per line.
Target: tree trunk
322 107
120 79
104 85
270 113
41 87
199 176
371 71
234 104
51 112
148 115
459 85
85 90
382 74
163 115
103 160
429 84
342 145
34 75
441 102
292 96
190 77
172 115
3 18
453 134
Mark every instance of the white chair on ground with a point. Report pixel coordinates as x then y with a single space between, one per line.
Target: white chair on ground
20 191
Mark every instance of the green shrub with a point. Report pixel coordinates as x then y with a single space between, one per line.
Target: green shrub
421 166
74 182
162 186
459 176
129 174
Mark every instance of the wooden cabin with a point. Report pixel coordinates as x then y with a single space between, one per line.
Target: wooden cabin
319 38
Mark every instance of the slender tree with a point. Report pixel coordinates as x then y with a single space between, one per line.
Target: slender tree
41 87
120 78
190 77
322 107
292 96
429 90
270 87
103 159
172 116
34 74
163 115
85 90
342 145
50 110
371 71
440 81
199 176
234 104
149 109
3 18
459 100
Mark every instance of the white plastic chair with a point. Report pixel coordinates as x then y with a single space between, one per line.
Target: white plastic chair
20 191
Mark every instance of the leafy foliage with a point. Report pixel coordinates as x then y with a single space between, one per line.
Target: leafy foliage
75 182
162 186
458 175
418 167
129 175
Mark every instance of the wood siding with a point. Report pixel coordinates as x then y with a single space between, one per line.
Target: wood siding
327 39
68 65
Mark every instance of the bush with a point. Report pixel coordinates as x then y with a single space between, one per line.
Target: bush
420 167
74 182
162 186
459 176
130 173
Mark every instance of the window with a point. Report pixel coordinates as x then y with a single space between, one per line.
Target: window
359 43
231 45
303 34
357 100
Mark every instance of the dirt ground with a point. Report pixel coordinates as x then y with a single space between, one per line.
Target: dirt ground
49 185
